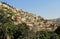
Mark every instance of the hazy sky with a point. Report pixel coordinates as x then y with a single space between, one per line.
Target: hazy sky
46 8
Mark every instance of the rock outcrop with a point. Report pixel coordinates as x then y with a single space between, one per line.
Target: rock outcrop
36 23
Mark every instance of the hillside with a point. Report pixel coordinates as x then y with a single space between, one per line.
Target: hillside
19 16
15 22
57 20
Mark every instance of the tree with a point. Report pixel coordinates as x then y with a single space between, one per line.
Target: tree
57 30
22 31
54 36
42 35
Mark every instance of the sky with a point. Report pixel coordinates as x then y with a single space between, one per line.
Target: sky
48 9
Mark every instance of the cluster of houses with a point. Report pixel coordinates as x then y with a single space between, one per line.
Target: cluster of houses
36 23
